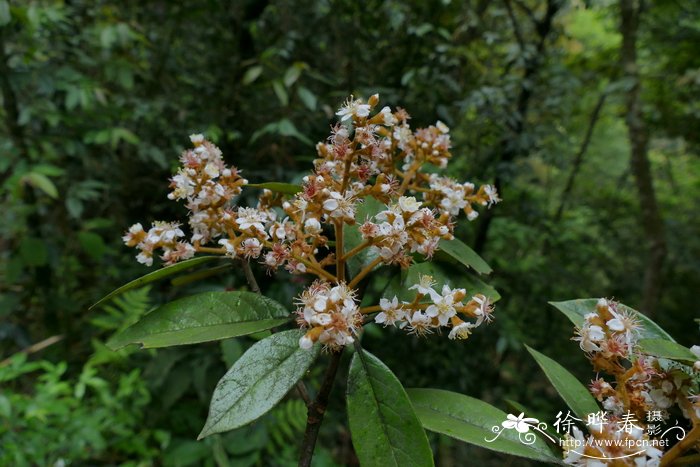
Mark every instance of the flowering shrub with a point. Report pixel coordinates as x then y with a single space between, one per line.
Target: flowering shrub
644 379
374 199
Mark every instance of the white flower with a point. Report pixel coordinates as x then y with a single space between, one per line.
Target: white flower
197 138
442 127
306 343
492 195
443 306
391 312
312 226
145 258
353 107
588 336
388 117
227 243
409 204
251 247
425 285
251 217
461 331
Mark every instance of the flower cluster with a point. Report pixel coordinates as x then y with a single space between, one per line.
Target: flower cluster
613 442
163 235
441 309
609 336
642 383
330 313
368 155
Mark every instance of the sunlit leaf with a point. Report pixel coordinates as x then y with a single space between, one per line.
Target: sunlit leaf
203 317
258 381
157 275
666 349
465 255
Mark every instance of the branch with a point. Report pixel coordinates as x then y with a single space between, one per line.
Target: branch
579 156
250 277
516 26
317 410
33 348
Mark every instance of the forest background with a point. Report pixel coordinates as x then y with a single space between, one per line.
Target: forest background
585 114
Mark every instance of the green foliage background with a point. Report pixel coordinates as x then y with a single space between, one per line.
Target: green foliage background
98 98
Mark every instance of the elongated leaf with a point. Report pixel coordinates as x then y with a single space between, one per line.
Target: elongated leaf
258 381
278 187
465 255
155 276
385 430
43 183
473 421
575 310
667 349
203 317
575 394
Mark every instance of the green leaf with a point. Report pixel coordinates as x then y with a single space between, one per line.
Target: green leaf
5 14
287 128
281 93
203 317
472 421
279 187
258 381
385 430
43 183
292 75
575 394
307 97
252 74
667 349
352 236
156 275
575 310
465 255
92 243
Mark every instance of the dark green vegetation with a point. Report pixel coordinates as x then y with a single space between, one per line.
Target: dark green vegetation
98 98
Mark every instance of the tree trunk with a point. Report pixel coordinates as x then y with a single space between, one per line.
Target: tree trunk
651 220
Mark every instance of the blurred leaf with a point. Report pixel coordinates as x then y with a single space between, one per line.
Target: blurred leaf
287 128
92 243
465 255
385 430
472 421
278 187
292 75
281 93
203 317
155 276
258 381
5 15
42 182
307 97
575 394
666 349
252 74
575 310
